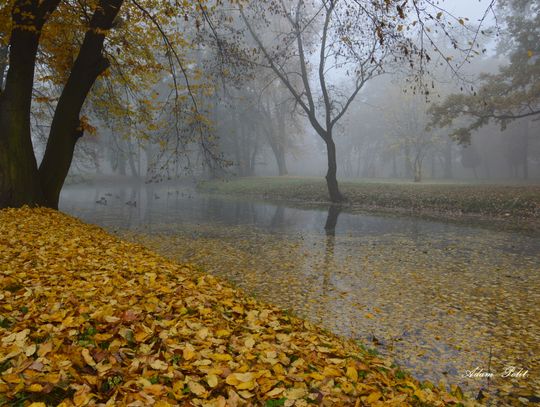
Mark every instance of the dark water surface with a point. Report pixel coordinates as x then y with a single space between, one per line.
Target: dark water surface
441 299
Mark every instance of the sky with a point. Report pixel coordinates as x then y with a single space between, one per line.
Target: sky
473 9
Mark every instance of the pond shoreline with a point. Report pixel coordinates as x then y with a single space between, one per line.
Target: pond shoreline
513 208
173 334
356 282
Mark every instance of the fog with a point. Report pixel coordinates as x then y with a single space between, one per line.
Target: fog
256 126
370 166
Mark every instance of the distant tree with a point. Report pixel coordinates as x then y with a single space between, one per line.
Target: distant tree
512 93
320 41
407 119
470 158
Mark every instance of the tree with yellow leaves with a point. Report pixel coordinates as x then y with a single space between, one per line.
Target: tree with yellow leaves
68 45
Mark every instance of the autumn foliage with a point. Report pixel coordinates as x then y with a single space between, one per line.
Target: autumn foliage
87 319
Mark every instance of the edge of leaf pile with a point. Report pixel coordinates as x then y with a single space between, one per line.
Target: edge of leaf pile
88 319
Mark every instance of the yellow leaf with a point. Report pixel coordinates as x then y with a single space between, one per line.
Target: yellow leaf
235 379
154 389
188 352
36 387
249 343
212 380
30 350
295 393
88 358
245 394
196 388
222 357
159 365
275 392
331 371
221 333
44 348
317 376
373 397
352 374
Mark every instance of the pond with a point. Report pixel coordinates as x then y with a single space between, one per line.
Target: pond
451 303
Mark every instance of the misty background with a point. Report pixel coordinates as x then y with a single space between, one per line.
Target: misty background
256 128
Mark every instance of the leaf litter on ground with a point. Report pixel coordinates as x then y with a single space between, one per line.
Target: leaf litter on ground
88 319
439 304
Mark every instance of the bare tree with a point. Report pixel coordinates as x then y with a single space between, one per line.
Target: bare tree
350 46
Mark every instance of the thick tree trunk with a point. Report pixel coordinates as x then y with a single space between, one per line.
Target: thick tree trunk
19 183
66 127
279 155
282 163
331 174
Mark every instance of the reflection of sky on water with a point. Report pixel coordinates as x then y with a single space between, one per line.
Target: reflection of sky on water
443 296
165 205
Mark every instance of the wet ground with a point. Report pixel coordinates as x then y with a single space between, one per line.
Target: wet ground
451 303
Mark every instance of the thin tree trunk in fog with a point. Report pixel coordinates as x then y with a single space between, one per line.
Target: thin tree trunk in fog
394 167
526 150
407 163
280 148
417 169
448 159
131 161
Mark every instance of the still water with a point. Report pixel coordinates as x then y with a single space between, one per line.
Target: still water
446 301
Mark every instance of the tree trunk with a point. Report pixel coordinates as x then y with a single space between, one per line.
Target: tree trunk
331 174
394 167
281 140
407 163
279 154
282 163
448 159
417 170
3 64
526 150
19 182
66 127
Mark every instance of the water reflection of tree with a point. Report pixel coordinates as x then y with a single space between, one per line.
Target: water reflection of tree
279 217
330 242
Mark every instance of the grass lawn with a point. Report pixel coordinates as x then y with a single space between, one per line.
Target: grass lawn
519 203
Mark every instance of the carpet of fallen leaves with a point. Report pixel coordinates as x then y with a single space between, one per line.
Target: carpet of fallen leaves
87 319
438 303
